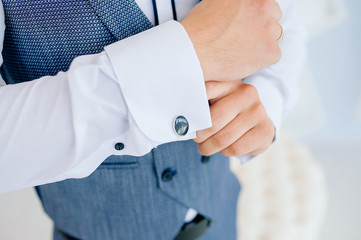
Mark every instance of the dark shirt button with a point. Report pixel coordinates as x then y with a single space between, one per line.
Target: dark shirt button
119 146
168 175
205 159
181 126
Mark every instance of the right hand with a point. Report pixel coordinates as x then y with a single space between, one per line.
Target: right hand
234 38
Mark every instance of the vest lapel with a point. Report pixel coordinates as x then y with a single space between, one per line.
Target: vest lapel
123 18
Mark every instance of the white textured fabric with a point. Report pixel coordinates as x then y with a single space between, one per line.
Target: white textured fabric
283 194
64 126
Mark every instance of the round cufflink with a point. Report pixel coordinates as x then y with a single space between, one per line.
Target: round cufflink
119 146
181 126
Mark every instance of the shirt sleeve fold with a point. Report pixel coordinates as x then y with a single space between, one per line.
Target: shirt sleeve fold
168 81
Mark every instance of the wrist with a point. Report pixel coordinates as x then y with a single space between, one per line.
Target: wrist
204 56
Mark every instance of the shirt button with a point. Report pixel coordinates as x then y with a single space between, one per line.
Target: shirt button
168 175
181 126
119 146
205 159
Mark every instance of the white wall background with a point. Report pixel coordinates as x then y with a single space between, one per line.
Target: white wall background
335 135
335 64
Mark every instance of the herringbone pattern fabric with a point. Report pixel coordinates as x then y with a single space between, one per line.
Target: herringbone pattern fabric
43 37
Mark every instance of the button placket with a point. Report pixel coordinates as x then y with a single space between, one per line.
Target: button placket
168 174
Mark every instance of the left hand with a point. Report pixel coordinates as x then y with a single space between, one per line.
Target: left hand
240 122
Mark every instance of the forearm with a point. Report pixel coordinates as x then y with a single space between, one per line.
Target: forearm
64 126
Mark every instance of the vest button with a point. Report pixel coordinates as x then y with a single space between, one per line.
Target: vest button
119 146
168 175
205 159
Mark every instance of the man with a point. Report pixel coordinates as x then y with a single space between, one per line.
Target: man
141 93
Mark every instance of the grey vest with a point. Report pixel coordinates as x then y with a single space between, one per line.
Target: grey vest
126 197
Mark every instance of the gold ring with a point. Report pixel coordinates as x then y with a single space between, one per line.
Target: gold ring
282 33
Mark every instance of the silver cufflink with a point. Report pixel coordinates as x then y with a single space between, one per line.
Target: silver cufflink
181 126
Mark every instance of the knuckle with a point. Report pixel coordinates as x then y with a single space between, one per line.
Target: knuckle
278 54
270 131
236 149
267 7
232 151
278 11
256 114
259 110
266 133
250 91
271 47
264 4
220 140
275 52
265 130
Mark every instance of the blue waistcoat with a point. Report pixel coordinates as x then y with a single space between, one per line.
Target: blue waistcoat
126 197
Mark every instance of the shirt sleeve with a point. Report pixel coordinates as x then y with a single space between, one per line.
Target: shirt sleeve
277 84
64 126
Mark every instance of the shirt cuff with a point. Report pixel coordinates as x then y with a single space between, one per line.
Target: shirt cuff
161 78
271 99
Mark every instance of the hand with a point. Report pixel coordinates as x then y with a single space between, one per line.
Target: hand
234 38
240 122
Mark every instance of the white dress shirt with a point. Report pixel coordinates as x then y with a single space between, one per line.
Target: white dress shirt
64 126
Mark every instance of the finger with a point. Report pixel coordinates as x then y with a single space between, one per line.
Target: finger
216 89
222 112
272 8
253 141
277 12
228 135
257 152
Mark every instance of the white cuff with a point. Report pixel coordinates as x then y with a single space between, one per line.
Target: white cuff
161 78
